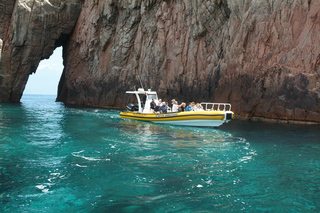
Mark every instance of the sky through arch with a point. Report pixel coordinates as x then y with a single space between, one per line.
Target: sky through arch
46 79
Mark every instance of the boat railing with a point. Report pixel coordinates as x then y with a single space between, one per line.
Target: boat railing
216 106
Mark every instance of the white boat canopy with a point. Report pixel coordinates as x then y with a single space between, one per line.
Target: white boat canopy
150 95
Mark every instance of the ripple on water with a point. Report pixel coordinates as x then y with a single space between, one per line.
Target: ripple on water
88 159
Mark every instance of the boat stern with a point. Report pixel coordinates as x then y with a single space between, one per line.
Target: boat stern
229 115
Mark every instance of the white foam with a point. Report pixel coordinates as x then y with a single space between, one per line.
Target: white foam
89 158
80 165
41 186
77 152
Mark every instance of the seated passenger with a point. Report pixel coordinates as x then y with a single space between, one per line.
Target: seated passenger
173 101
189 107
198 107
164 108
169 108
175 106
157 108
182 107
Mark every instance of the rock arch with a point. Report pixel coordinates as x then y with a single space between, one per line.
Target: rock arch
30 31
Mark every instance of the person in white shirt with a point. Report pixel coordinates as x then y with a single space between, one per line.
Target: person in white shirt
175 106
197 107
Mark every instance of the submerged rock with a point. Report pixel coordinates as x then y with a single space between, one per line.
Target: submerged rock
262 57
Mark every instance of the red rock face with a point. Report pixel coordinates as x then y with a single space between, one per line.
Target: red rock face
263 57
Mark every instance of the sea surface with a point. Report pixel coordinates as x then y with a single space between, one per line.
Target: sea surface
61 158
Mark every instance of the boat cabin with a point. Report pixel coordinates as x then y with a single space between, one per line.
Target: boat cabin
143 107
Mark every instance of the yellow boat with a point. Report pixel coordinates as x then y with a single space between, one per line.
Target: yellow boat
213 114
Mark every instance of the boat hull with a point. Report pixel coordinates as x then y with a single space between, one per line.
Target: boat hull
191 118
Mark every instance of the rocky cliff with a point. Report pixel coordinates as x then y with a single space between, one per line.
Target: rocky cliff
262 56
29 31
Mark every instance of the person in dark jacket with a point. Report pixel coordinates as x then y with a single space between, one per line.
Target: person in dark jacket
152 105
157 108
145 98
182 107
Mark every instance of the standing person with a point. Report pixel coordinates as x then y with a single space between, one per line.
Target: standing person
189 107
164 108
175 107
145 98
152 105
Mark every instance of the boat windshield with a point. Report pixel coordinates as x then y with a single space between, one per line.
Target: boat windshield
152 96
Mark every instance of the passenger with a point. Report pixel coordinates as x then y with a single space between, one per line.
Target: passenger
189 107
172 103
157 108
160 101
198 107
169 108
175 106
182 107
152 105
193 104
164 108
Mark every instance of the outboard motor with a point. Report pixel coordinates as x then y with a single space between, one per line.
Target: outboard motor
129 107
132 107
228 116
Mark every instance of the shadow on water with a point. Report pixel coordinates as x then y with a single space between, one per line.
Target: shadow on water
261 132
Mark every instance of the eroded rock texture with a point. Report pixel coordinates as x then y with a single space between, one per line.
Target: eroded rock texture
29 31
262 56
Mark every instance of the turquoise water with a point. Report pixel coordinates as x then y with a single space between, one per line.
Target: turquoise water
57 158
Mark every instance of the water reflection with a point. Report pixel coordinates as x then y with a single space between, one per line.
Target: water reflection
188 161
182 137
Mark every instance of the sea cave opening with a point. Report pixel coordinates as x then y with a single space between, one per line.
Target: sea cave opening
46 79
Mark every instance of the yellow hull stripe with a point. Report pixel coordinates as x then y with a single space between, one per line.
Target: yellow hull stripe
202 115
